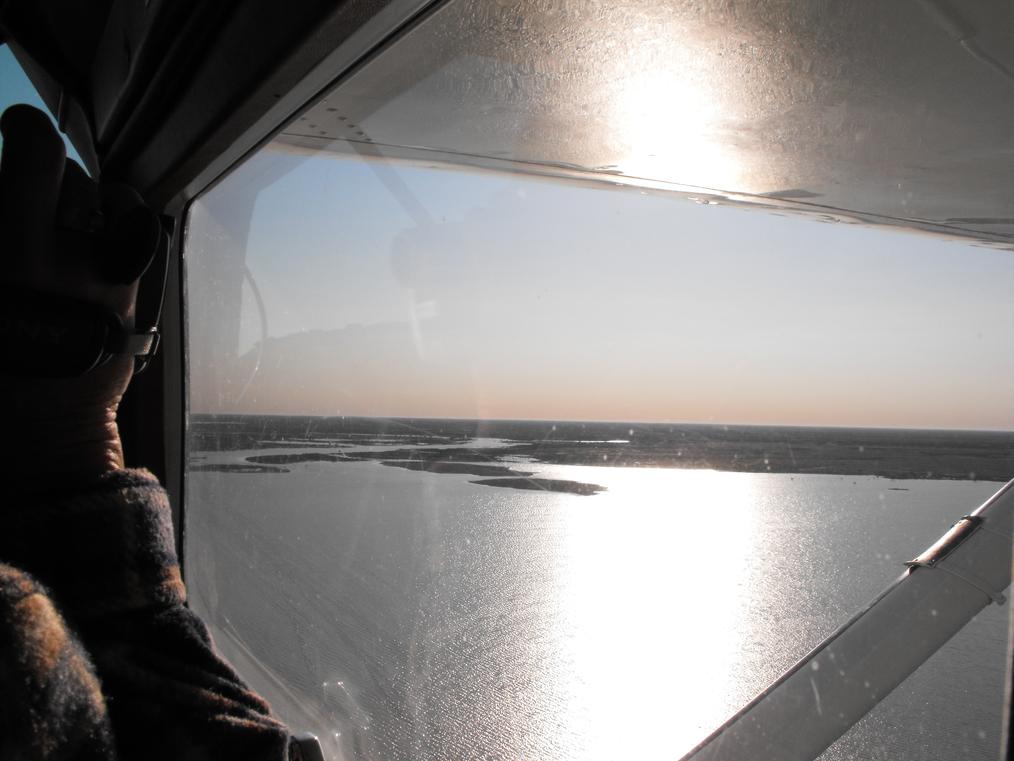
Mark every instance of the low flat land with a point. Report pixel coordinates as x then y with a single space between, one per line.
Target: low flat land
439 446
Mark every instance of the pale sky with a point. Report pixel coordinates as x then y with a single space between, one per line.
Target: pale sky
514 297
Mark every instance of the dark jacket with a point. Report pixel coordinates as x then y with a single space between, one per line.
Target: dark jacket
99 656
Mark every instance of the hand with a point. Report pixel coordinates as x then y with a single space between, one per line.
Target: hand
62 431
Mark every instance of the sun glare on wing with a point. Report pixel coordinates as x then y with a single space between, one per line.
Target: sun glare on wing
668 108
668 124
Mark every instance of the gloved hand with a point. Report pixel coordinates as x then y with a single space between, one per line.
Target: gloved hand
63 234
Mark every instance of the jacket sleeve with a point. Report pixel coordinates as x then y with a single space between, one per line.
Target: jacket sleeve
51 704
107 557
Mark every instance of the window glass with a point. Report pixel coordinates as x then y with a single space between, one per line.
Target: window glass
503 445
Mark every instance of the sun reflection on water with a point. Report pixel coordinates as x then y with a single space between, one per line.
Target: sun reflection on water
649 616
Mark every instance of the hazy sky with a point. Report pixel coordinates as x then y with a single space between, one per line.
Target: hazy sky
499 296
513 297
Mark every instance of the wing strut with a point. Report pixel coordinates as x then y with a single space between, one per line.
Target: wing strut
832 688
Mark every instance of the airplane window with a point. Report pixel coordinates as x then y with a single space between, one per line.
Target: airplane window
502 444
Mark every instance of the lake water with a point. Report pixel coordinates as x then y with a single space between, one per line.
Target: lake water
410 615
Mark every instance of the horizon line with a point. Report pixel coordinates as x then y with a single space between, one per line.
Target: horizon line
709 423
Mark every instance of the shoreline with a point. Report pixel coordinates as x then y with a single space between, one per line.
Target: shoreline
444 448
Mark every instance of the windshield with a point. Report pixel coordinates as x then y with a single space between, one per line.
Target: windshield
505 442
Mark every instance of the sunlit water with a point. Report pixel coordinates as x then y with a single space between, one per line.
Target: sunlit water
406 615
